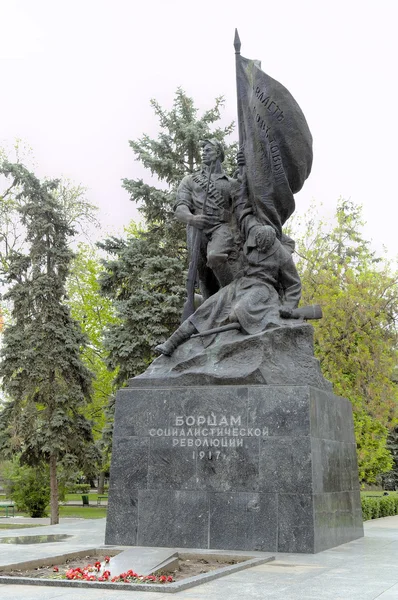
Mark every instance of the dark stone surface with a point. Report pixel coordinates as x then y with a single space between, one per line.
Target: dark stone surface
131 458
331 418
173 518
238 471
285 465
280 356
337 518
285 413
296 531
269 468
244 521
170 468
122 515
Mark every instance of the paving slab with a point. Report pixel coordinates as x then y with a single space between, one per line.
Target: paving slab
365 569
28 592
85 534
38 521
391 594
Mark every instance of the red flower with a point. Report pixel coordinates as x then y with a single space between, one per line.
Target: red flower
107 559
129 577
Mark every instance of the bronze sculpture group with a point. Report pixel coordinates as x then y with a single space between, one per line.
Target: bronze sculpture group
257 283
240 258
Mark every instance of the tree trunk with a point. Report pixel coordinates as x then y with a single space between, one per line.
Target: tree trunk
101 482
54 491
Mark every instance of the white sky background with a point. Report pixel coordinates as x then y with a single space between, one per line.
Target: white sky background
76 78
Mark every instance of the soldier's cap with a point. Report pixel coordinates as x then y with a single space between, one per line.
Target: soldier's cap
215 142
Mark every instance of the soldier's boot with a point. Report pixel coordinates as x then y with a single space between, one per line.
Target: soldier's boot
220 267
182 334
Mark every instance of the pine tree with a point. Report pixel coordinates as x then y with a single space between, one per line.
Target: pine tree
78 212
43 376
145 273
148 289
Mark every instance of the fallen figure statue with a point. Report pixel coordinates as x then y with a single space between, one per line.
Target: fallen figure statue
312 312
266 296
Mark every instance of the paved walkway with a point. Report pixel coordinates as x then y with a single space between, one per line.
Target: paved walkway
366 569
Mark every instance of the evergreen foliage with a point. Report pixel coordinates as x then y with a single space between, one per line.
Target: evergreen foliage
78 212
145 273
356 340
43 375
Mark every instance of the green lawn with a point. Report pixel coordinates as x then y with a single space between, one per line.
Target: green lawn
78 497
70 497
17 525
76 512
381 493
83 512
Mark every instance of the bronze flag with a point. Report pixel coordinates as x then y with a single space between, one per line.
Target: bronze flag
276 142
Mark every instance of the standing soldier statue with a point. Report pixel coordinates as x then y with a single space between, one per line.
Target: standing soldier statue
205 203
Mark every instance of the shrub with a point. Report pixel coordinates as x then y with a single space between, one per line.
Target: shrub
79 488
366 508
28 487
374 507
387 507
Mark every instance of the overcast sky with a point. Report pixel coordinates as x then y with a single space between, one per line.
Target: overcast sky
77 77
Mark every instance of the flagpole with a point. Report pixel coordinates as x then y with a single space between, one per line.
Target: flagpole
237 46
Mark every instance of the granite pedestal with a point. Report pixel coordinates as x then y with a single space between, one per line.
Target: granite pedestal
255 467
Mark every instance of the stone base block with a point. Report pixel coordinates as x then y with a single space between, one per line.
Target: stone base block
269 468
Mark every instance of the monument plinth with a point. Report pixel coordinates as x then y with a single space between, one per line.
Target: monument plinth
257 467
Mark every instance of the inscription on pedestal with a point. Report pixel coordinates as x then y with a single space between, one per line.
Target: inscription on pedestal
210 432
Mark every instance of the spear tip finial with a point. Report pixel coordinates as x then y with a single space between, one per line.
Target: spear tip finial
237 43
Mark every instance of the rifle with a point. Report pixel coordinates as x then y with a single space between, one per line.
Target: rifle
189 306
311 312
314 311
